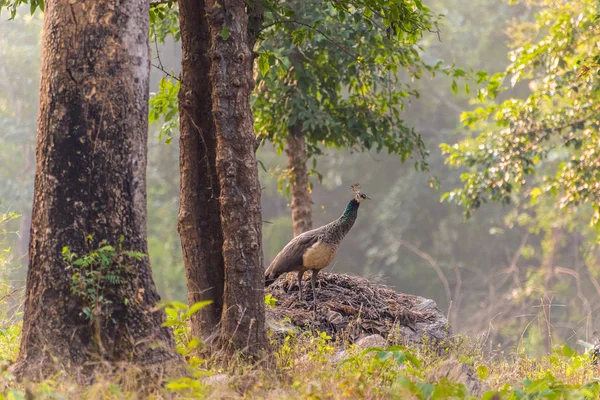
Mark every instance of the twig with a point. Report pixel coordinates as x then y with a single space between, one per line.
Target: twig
157 3
433 264
9 294
170 75
295 21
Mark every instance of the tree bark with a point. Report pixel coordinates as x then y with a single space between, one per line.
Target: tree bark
90 188
242 321
301 202
199 222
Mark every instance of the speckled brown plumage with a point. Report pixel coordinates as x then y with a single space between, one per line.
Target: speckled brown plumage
315 249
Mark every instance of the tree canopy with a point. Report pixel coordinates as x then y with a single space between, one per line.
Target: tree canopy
341 69
344 69
546 142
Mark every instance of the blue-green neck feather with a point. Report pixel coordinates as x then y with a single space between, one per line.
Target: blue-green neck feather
337 229
350 212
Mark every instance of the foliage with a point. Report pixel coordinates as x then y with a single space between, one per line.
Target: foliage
303 368
553 131
178 317
12 6
164 22
335 68
163 104
270 301
96 275
10 327
339 69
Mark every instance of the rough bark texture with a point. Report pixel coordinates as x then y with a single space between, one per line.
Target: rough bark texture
301 201
243 318
91 180
199 222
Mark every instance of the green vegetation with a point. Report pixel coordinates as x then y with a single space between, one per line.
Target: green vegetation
302 368
524 273
95 274
553 130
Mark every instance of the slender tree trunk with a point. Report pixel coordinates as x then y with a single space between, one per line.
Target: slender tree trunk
301 201
90 187
242 321
199 222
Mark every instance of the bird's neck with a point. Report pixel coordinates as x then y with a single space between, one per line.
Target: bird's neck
346 220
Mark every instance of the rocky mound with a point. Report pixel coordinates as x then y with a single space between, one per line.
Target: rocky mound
352 307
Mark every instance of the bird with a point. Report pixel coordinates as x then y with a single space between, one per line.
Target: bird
315 249
595 352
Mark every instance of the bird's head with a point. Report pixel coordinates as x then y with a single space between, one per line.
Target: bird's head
358 195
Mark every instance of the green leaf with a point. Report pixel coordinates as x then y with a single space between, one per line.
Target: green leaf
483 372
178 304
263 64
171 313
197 307
225 32
171 322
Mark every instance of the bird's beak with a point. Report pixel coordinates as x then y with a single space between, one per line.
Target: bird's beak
368 197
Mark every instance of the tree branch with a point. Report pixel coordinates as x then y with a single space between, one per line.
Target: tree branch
295 21
433 264
157 3
170 75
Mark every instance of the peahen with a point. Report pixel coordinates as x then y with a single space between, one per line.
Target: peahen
315 249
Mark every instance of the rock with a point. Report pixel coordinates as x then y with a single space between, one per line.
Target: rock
459 373
280 330
362 344
335 317
339 356
371 341
217 379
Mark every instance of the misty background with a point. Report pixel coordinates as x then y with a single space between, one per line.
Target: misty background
486 273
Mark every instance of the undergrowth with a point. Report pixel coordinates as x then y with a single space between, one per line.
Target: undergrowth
303 366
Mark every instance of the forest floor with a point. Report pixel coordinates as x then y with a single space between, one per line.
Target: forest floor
326 364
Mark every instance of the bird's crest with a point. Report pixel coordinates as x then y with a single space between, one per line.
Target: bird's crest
355 188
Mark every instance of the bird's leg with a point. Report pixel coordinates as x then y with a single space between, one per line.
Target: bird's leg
313 282
300 274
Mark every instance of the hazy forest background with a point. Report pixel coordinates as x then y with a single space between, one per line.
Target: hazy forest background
512 272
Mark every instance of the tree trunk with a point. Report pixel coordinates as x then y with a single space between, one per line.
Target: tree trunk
90 188
199 222
242 321
301 201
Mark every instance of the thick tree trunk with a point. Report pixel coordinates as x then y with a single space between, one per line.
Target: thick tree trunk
90 187
242 321
199 222
301 201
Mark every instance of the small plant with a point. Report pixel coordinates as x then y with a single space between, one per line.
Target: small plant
178 317
10 324
95 278
270 301
323 348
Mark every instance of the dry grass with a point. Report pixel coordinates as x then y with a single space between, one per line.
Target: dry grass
300 368
299 364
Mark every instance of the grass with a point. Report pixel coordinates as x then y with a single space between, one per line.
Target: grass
300 367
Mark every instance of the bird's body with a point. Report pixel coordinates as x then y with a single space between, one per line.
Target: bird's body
315 249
